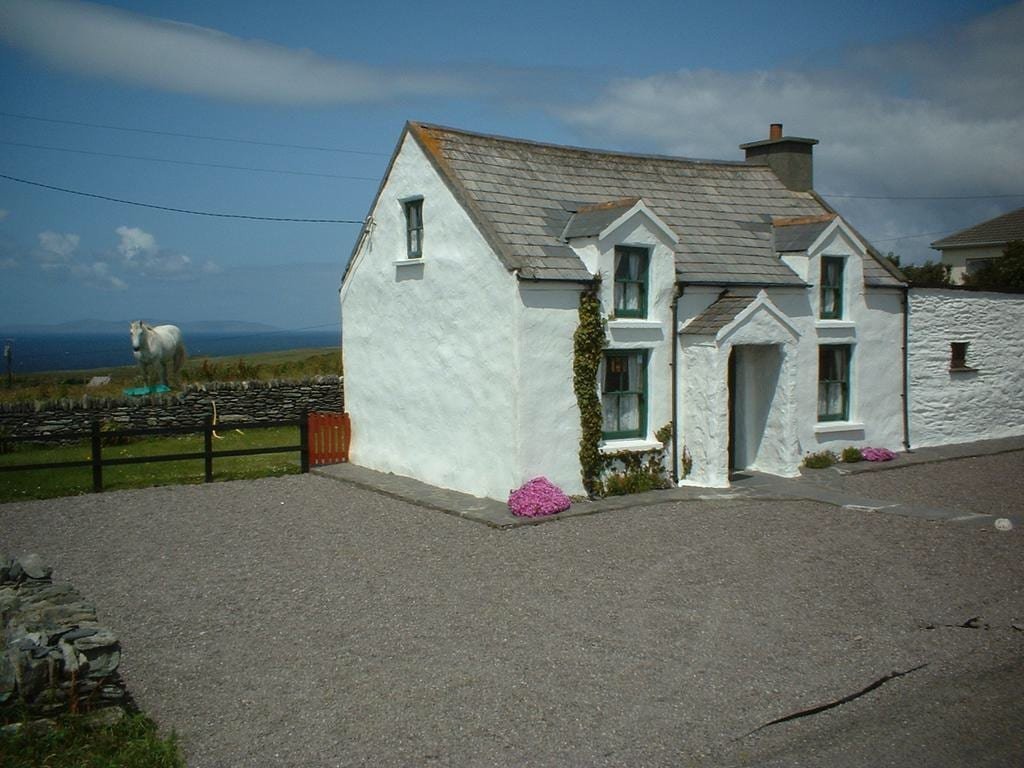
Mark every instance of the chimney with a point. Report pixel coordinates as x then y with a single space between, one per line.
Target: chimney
791 157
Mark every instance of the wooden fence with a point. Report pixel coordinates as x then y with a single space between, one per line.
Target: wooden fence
324 438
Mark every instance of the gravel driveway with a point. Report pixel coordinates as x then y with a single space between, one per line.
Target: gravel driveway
301 621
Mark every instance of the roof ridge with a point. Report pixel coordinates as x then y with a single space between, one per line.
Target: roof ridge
586 150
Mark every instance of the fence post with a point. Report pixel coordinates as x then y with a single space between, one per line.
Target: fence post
304 441
208 449
97 458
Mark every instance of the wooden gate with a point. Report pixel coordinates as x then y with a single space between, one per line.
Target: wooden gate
329 437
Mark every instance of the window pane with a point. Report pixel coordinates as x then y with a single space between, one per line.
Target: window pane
609 407
629 412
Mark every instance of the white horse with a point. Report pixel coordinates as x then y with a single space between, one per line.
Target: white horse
157 346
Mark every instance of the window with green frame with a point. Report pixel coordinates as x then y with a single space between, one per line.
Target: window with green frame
631 281
414 228
624 394
831 287
834 382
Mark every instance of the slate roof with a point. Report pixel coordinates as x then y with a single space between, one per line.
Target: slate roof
799 234
998 231
719 314
524 196
591 220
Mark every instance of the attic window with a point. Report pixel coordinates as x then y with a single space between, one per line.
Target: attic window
630 282
414 227
831 287
958 356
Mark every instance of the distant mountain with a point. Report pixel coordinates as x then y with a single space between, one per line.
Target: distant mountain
113 327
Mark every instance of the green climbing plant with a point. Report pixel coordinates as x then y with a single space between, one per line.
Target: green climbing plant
588 344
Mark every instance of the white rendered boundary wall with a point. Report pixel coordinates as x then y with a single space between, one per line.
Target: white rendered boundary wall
983 400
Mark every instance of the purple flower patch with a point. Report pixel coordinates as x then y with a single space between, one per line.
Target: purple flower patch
536 498
877 454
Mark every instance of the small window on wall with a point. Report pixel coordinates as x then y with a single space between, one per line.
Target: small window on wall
831 287
414 228
630 282
958 356
834 382
624 394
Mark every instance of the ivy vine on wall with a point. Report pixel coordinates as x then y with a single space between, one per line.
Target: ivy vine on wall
588 345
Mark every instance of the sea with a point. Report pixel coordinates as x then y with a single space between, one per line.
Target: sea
33 352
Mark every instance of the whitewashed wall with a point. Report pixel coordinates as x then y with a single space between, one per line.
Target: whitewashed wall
872 325
549 417
430 348
957 407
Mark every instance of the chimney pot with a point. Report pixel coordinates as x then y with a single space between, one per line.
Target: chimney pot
775 132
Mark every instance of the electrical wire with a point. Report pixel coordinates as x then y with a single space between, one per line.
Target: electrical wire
179 210
185 162
194 135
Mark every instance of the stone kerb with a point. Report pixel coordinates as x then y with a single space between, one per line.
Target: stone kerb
57 657
227 401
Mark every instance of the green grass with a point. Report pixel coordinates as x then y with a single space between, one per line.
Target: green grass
132 742
284 364
49 483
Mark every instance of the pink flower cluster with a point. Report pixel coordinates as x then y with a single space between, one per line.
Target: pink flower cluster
877 454
536 498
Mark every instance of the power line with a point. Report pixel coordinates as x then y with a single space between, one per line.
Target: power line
179 210
202 137
185 162
921 197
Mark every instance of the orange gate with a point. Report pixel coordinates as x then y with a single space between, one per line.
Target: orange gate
329 437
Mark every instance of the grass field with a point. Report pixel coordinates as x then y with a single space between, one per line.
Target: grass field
48 483
285 364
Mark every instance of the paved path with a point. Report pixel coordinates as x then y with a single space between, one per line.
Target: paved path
903 494
303 621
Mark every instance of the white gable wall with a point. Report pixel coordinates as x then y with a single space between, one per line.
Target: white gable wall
430 347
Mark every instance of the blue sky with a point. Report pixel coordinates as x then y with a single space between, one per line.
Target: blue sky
909 100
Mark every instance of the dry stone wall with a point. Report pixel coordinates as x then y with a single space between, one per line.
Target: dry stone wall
985 398
56 655
232 401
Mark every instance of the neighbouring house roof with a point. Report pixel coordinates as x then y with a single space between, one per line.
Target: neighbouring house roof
719 314
998 231
529 198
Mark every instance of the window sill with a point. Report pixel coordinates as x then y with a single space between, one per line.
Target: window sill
820 323
633 444
408 262
633 322
827 427
963 369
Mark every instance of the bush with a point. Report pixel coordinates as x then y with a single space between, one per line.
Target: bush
851 455
820 460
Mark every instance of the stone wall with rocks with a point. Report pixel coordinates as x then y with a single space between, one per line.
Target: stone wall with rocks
57 657
981 399
228 401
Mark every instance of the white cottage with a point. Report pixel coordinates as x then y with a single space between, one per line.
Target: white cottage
746 323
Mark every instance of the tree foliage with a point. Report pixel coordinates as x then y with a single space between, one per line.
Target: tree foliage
1001 274
928 275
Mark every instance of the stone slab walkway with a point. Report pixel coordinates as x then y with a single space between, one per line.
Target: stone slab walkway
813 485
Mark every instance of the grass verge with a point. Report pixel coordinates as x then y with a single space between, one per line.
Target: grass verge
132 742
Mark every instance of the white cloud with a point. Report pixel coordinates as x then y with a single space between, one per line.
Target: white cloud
935 117
139 251
98 274
172 56
55 249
